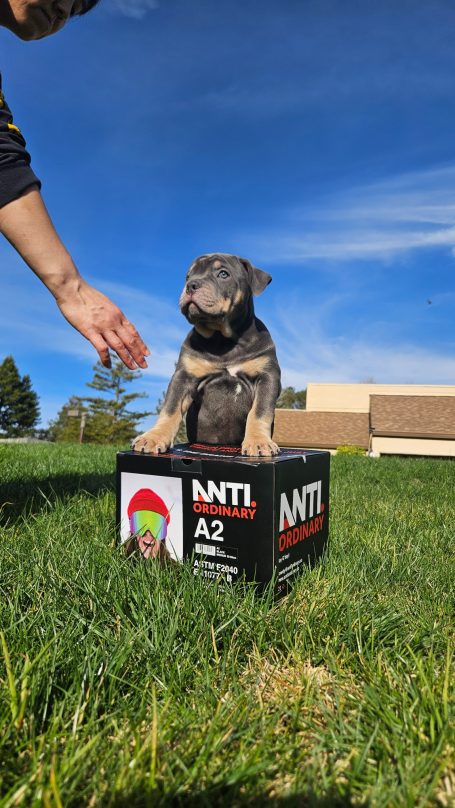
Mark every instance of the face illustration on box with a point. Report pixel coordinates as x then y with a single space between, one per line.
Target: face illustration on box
149 517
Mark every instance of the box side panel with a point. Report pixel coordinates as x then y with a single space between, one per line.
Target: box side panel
301 515
220 512
228 519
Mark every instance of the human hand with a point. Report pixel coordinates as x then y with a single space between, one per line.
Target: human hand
101 321
26 224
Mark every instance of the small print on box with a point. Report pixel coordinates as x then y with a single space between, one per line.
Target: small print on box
152 516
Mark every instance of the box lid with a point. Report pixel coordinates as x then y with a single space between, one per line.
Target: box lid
204 451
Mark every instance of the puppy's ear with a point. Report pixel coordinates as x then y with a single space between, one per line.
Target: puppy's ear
258 279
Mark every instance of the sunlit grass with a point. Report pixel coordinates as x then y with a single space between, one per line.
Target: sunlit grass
124 683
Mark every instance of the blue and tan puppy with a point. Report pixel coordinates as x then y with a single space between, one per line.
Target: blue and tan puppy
227 378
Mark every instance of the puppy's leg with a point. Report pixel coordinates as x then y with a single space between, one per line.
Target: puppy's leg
178 398
258 430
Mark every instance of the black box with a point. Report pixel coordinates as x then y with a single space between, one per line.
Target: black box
232 516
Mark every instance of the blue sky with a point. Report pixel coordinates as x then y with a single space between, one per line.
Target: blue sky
314 138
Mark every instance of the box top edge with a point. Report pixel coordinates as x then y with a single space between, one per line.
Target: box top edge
187 451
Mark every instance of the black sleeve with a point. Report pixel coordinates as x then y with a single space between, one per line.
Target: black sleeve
15 172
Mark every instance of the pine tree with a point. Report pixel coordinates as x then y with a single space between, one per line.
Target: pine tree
292 399
109 420
106 419
19 407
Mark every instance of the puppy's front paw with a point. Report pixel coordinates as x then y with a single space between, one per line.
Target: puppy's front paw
259 447
151 442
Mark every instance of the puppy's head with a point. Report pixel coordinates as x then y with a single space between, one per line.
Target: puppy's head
218 292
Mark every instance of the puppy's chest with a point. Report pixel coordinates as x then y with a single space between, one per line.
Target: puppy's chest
202 368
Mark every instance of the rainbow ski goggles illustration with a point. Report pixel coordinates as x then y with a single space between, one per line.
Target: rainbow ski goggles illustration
142 521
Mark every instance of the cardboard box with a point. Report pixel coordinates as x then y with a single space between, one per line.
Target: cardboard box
232 516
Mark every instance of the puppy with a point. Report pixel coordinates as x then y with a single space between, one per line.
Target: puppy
227 378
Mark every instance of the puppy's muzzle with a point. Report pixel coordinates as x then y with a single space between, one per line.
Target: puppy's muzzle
192 287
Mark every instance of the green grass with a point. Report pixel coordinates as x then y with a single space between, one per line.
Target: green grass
126 684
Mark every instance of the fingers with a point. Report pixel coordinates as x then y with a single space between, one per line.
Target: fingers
101 347
118 345
129 350
133 342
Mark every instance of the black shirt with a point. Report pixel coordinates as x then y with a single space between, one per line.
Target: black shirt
15 172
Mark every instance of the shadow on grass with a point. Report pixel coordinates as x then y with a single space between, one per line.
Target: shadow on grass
30 495
233 796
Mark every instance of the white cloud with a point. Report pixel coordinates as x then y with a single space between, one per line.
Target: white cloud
32 325
386 220
348 360
32 321
137 9
310 348
307 352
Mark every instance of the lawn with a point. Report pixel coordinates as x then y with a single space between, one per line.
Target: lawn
126 684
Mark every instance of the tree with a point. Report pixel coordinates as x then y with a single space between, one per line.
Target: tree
19 406
291 399
107 417
66 427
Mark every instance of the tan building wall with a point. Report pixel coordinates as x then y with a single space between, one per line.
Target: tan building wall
320 430
417 419
356 397
414 446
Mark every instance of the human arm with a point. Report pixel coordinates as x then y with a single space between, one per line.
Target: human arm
24 221
26 224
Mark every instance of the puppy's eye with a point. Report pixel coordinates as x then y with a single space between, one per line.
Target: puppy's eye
223 274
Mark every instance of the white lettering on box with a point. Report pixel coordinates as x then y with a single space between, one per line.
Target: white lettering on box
300 499
222 492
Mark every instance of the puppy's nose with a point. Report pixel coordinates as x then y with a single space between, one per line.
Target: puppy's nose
192 286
